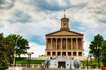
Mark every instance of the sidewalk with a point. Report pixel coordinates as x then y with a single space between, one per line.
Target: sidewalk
25 68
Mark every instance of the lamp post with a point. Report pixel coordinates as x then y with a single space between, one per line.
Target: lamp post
29 57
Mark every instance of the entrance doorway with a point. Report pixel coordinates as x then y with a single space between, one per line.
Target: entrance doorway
61 64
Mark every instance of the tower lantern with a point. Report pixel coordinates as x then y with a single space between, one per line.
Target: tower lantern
64 23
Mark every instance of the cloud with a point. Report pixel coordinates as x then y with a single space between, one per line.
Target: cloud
57 5
86 48
35 18
20 17
36 49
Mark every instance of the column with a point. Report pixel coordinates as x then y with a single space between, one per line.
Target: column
76 53
47 44
56 43
51 43
56 53
76 43
61 48
72 53
71 43
51 54
66 44
56 47
61 43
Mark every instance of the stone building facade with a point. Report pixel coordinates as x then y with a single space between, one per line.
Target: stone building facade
64 42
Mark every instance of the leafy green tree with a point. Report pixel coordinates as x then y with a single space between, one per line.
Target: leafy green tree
3 59
8 45
96 44
20 44
10 51
104 52
5 56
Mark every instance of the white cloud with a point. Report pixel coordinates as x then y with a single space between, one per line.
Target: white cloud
86 47
36 49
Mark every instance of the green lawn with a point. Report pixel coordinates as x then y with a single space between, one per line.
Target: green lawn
92 63
25 61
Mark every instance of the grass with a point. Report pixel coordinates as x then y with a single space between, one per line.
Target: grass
25 61
92 63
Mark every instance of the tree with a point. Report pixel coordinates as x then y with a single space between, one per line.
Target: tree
5 56
8 45
96 46
3 59
10 51
20 44
104 52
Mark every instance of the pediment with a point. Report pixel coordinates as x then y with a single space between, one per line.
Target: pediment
71 33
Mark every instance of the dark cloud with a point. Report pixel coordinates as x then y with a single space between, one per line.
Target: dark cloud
55 6
102 20
20 17
44 5
6 4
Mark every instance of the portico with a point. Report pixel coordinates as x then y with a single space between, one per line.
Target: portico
64 42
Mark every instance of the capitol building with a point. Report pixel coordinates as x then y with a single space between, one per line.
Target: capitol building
64 42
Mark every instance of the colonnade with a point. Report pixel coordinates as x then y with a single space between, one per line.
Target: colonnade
64 43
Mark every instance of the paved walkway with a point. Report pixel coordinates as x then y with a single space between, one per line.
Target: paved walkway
24 68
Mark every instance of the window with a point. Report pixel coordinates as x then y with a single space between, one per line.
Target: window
80 53
74 53
69 53
48 53
64 53
53 53
58 53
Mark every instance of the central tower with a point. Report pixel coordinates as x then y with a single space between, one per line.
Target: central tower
64 24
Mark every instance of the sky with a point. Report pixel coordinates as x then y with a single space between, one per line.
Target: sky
34 18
